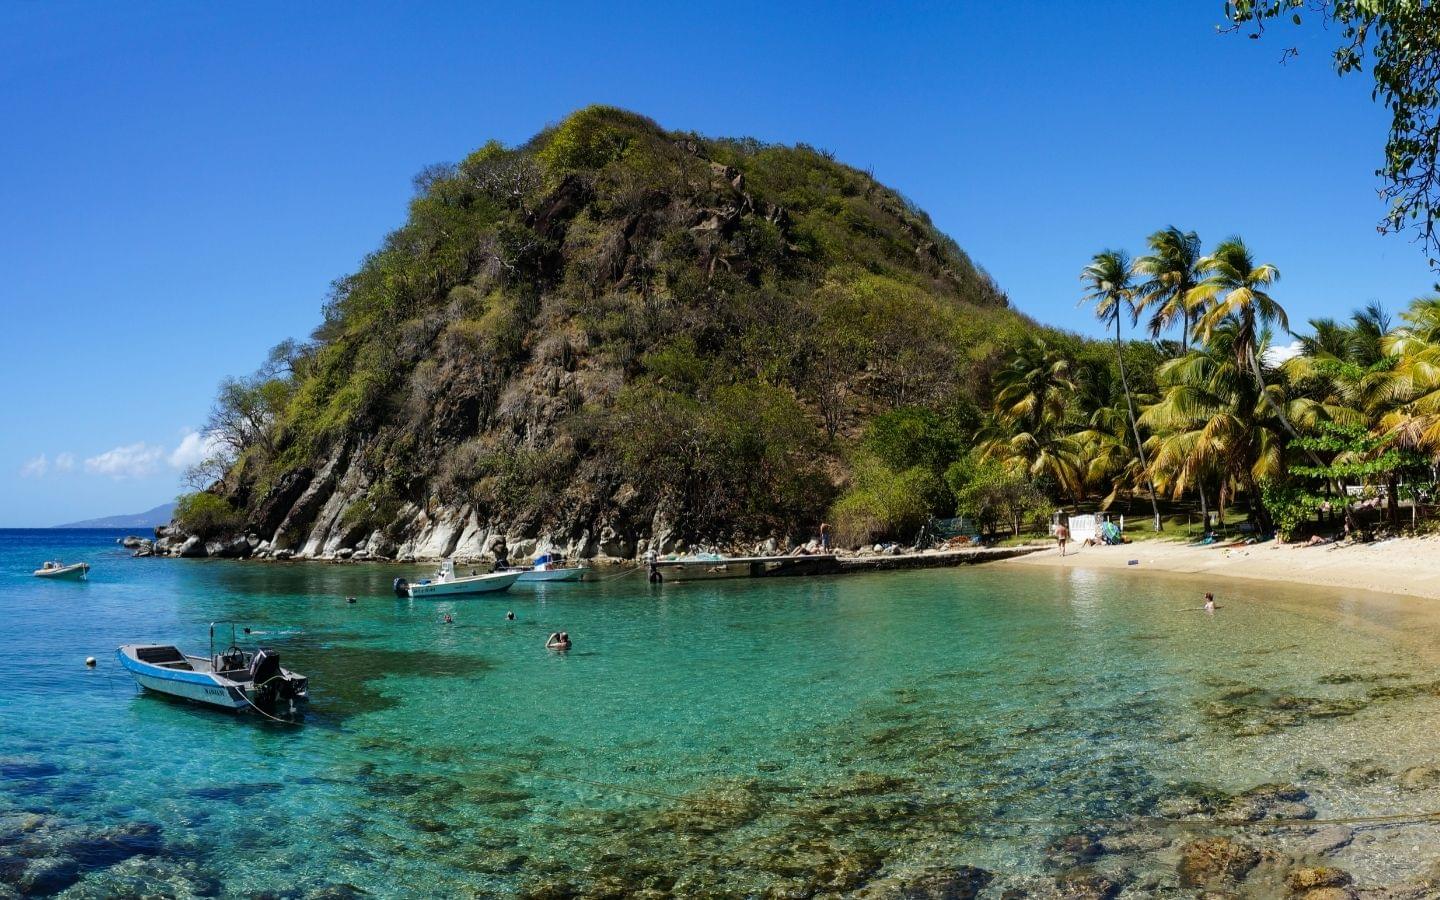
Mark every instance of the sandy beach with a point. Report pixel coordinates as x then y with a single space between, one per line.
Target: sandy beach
1405 566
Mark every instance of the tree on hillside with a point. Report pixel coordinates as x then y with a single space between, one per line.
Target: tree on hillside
1113 293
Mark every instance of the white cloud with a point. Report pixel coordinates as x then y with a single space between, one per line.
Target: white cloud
64 462
130 461
194 448
35 468
1276 355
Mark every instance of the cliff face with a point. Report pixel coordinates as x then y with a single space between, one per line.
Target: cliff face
609 336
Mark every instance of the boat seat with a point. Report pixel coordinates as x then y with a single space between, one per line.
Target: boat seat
160 656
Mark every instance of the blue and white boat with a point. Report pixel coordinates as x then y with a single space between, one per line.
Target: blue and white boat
548 568
232 679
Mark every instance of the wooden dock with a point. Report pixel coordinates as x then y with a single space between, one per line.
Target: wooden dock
970 556
671 570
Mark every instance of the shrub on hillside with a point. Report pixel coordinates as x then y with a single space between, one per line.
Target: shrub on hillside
205 515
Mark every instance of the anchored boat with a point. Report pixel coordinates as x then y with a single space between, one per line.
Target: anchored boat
232 679
548 568
447 584
59 571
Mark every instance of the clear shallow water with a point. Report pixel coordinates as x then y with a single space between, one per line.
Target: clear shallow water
749 737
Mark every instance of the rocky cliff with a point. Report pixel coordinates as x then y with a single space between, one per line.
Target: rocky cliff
611 337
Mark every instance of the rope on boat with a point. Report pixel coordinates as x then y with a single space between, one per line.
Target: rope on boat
620 574
262 712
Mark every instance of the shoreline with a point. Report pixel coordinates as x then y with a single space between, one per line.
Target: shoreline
1406 567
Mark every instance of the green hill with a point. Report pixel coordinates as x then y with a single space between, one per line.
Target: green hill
611 334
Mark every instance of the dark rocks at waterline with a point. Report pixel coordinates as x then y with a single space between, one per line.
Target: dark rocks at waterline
1215 862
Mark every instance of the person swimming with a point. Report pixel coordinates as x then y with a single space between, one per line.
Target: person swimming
560 640
1209 602
448 620
510 615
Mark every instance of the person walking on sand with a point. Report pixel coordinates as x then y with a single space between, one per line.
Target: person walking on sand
1062 536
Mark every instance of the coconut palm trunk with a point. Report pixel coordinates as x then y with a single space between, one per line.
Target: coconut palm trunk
1254 362
1134 425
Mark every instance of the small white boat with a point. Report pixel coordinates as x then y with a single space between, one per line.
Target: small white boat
547 568
58 570
447 584
233 679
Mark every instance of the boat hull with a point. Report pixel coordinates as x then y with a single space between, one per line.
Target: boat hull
199 687
572 574
77 572
476 584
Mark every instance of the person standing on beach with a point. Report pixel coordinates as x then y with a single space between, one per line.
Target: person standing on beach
1062 536
824 537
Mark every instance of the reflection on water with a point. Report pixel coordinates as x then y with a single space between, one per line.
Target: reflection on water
788 737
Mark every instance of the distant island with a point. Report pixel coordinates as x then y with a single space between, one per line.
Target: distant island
150 518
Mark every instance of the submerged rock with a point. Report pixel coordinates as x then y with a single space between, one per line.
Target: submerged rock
1419 778
1085 884
1301 880
1268 801
1071 850
1215 861
1327 839
48 875
1134 842
964 883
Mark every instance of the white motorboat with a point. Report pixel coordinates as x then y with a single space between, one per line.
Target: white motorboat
59 570
548 568
448 584
232 679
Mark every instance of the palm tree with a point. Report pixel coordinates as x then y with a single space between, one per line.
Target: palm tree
1112 292
1212 420
1235 290
1027 431
1171 272
1411 390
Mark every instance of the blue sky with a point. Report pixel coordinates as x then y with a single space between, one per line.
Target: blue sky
179 183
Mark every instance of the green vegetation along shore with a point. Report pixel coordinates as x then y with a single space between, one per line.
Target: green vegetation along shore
616 337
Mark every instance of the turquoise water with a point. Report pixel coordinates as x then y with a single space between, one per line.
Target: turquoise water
781 737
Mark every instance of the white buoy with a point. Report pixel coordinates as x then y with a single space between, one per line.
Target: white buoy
90 661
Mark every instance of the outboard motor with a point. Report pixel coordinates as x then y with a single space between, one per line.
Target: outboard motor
266 675
402 587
